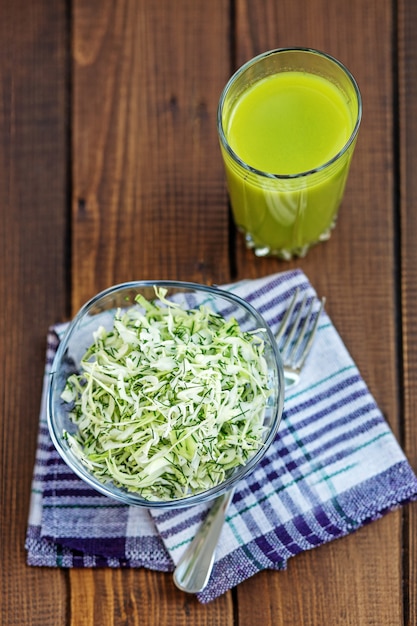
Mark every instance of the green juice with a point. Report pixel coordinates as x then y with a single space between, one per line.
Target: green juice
285 128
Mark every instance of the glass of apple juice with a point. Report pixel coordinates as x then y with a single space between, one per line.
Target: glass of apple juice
288 121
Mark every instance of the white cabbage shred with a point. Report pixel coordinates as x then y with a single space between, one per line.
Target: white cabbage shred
170 400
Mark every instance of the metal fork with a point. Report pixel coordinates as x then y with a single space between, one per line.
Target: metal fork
295 338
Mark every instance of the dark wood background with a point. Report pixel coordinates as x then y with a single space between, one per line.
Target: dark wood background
110 171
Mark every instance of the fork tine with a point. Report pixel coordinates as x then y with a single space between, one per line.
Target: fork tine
310 341
296 334
303 330
284 322
294 329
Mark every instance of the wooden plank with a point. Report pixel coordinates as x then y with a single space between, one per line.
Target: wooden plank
144 139
407 20
361 251
33 209
355 270
139 598
149 201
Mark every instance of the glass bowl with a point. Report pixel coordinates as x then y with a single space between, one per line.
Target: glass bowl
100 311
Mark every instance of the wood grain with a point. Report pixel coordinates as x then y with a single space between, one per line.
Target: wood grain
354 270
33 187
149 199
149 195
139 598
407 61
110 170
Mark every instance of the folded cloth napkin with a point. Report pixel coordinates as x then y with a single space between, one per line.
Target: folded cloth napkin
334 466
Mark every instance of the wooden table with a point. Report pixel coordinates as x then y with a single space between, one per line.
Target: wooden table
110 171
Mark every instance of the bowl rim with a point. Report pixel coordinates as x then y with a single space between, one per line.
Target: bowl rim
132 498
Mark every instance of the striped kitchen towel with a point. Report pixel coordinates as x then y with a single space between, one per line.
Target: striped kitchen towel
334 466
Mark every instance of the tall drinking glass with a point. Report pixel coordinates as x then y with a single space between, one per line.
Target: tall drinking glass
287 122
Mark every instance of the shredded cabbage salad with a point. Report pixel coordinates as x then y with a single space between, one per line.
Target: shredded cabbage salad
169 400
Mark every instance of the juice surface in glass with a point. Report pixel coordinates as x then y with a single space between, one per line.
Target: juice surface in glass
287 124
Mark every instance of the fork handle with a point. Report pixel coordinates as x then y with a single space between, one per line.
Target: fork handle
194 567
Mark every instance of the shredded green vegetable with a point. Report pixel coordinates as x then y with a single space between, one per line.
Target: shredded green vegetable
169 400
